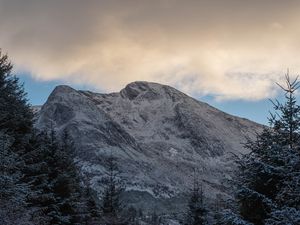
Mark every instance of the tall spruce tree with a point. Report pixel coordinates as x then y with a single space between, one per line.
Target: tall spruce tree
15 112
64 182
89 210
15 127
196 212
13 191
268 181
36 173
57 196
112 207
68 186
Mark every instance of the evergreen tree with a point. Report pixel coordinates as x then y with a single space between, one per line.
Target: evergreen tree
15 126
15 113
132 215
12 190
58 197
112 207
64 181
284 216
48 199
196 212
228 217
268 181
89 208
36 174
154 219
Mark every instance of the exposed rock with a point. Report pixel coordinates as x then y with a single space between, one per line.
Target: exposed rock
158 134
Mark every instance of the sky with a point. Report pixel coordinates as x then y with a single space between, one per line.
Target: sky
228 53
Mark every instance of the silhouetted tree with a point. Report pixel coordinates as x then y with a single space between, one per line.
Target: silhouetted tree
196 212
13 191
15 127
15 112
112 206
268 180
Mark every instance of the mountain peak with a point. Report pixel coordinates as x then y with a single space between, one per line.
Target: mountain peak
148 91
158 134
143 83
138 89
61 91
63 88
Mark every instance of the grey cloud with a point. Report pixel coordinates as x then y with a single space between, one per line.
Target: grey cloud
201 46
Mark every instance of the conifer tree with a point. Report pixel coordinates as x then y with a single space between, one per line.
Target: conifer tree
154 219
112 206
15 126
64 180
12 190
89 208
36 174
15 113
58 195
228 217
132 215
197 211
268 181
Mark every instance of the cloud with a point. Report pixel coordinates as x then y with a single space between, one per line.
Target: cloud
231 49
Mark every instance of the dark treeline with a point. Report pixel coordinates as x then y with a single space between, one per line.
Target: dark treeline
40 184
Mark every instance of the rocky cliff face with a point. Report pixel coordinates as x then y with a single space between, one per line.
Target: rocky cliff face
158 134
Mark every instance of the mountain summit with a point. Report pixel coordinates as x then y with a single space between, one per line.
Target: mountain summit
159 136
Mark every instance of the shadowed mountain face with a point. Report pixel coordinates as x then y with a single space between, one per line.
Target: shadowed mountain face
159 136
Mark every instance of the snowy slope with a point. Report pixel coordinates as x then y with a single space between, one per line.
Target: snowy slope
158 134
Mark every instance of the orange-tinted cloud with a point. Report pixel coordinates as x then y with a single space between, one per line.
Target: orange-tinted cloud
229 48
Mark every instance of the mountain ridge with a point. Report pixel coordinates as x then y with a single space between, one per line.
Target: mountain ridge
158 134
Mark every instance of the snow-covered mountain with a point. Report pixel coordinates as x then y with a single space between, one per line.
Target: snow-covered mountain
159 136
